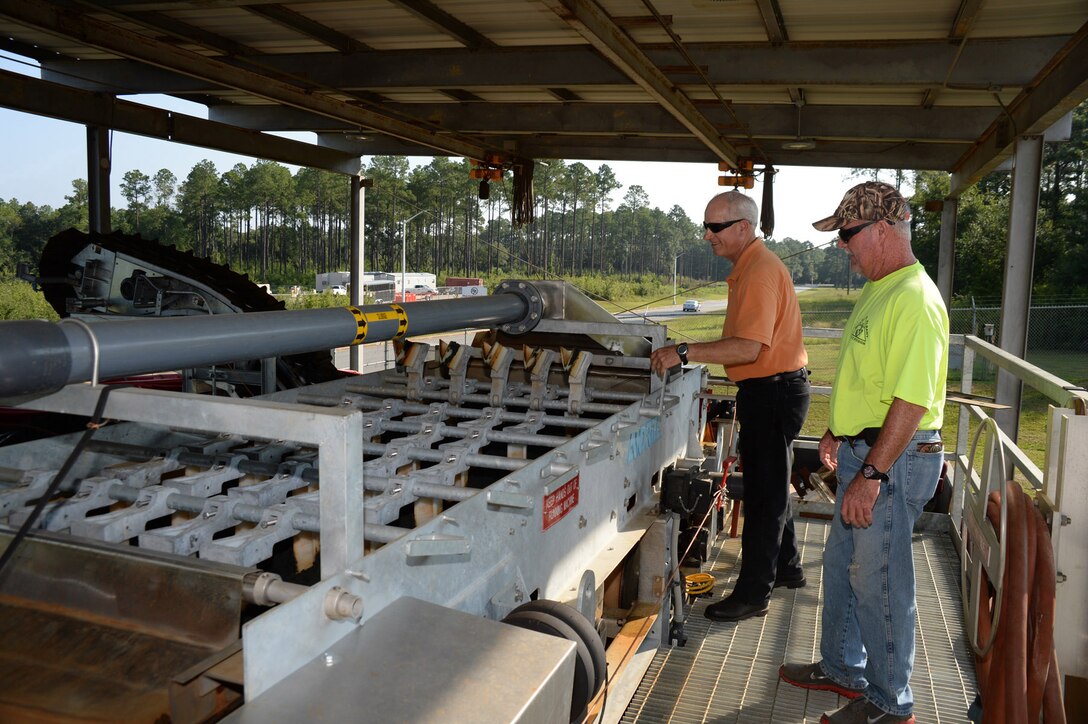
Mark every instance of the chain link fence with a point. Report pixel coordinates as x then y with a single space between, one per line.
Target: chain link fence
1057 333
1057 342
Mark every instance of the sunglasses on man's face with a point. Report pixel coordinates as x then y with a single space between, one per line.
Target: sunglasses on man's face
717 227
845 235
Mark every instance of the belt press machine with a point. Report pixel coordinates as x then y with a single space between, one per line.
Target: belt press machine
454 540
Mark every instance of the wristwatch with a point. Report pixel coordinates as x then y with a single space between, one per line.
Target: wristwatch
871 473
682 352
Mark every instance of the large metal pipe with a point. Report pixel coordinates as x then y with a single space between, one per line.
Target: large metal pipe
39 357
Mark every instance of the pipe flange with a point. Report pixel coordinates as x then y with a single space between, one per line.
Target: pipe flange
534 303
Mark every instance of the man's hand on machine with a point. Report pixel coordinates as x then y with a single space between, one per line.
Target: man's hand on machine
664 359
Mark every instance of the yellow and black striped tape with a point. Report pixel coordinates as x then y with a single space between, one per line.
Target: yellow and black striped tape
360 324
402 320
362 320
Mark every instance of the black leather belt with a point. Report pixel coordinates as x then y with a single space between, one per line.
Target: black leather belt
869 435
781 377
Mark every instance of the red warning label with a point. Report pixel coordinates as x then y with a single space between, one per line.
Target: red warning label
559 502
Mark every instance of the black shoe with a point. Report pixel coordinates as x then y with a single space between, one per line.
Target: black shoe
791 581
732 609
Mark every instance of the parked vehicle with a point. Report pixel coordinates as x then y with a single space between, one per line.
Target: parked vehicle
422 291
692 305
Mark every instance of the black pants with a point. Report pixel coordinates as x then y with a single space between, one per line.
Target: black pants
770 414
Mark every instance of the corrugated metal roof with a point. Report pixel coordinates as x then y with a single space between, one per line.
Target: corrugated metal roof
726 80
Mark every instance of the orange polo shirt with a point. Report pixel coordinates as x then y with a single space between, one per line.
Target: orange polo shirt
763 308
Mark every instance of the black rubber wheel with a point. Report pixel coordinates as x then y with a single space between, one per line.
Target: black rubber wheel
545 623
585 630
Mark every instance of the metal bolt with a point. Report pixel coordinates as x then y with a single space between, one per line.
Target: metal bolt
341 605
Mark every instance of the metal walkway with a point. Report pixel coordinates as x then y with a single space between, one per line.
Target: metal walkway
728 672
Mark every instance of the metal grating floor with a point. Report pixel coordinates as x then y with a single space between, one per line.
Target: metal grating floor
728 672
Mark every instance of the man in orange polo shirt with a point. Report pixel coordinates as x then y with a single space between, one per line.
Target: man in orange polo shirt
762 352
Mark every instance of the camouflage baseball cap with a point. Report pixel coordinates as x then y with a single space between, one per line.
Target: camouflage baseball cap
870 201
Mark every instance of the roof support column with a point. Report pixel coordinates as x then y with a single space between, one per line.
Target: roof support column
1019 263
946 252
98 179
357 224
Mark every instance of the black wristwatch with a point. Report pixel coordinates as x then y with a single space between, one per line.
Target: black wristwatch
871 473
682 352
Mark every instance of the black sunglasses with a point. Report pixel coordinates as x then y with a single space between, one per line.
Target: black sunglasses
717 227
845 235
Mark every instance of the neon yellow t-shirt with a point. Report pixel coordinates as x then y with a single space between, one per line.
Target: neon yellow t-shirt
895 344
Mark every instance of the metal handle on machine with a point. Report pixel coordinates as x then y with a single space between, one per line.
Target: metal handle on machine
95 351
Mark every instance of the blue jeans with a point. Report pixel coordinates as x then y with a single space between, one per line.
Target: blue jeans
869 590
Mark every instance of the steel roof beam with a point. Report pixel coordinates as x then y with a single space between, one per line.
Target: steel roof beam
856 154
772 21
1061 86
446 23
984 64
133 45
30 95
589 19
299 23
188 33
965 18
644 119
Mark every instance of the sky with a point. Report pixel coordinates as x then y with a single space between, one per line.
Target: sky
42 156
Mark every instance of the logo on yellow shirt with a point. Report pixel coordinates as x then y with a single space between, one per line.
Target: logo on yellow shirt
860 334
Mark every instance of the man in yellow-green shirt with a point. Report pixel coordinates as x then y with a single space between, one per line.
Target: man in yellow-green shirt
887 405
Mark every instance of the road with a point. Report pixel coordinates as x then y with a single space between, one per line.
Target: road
674 311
